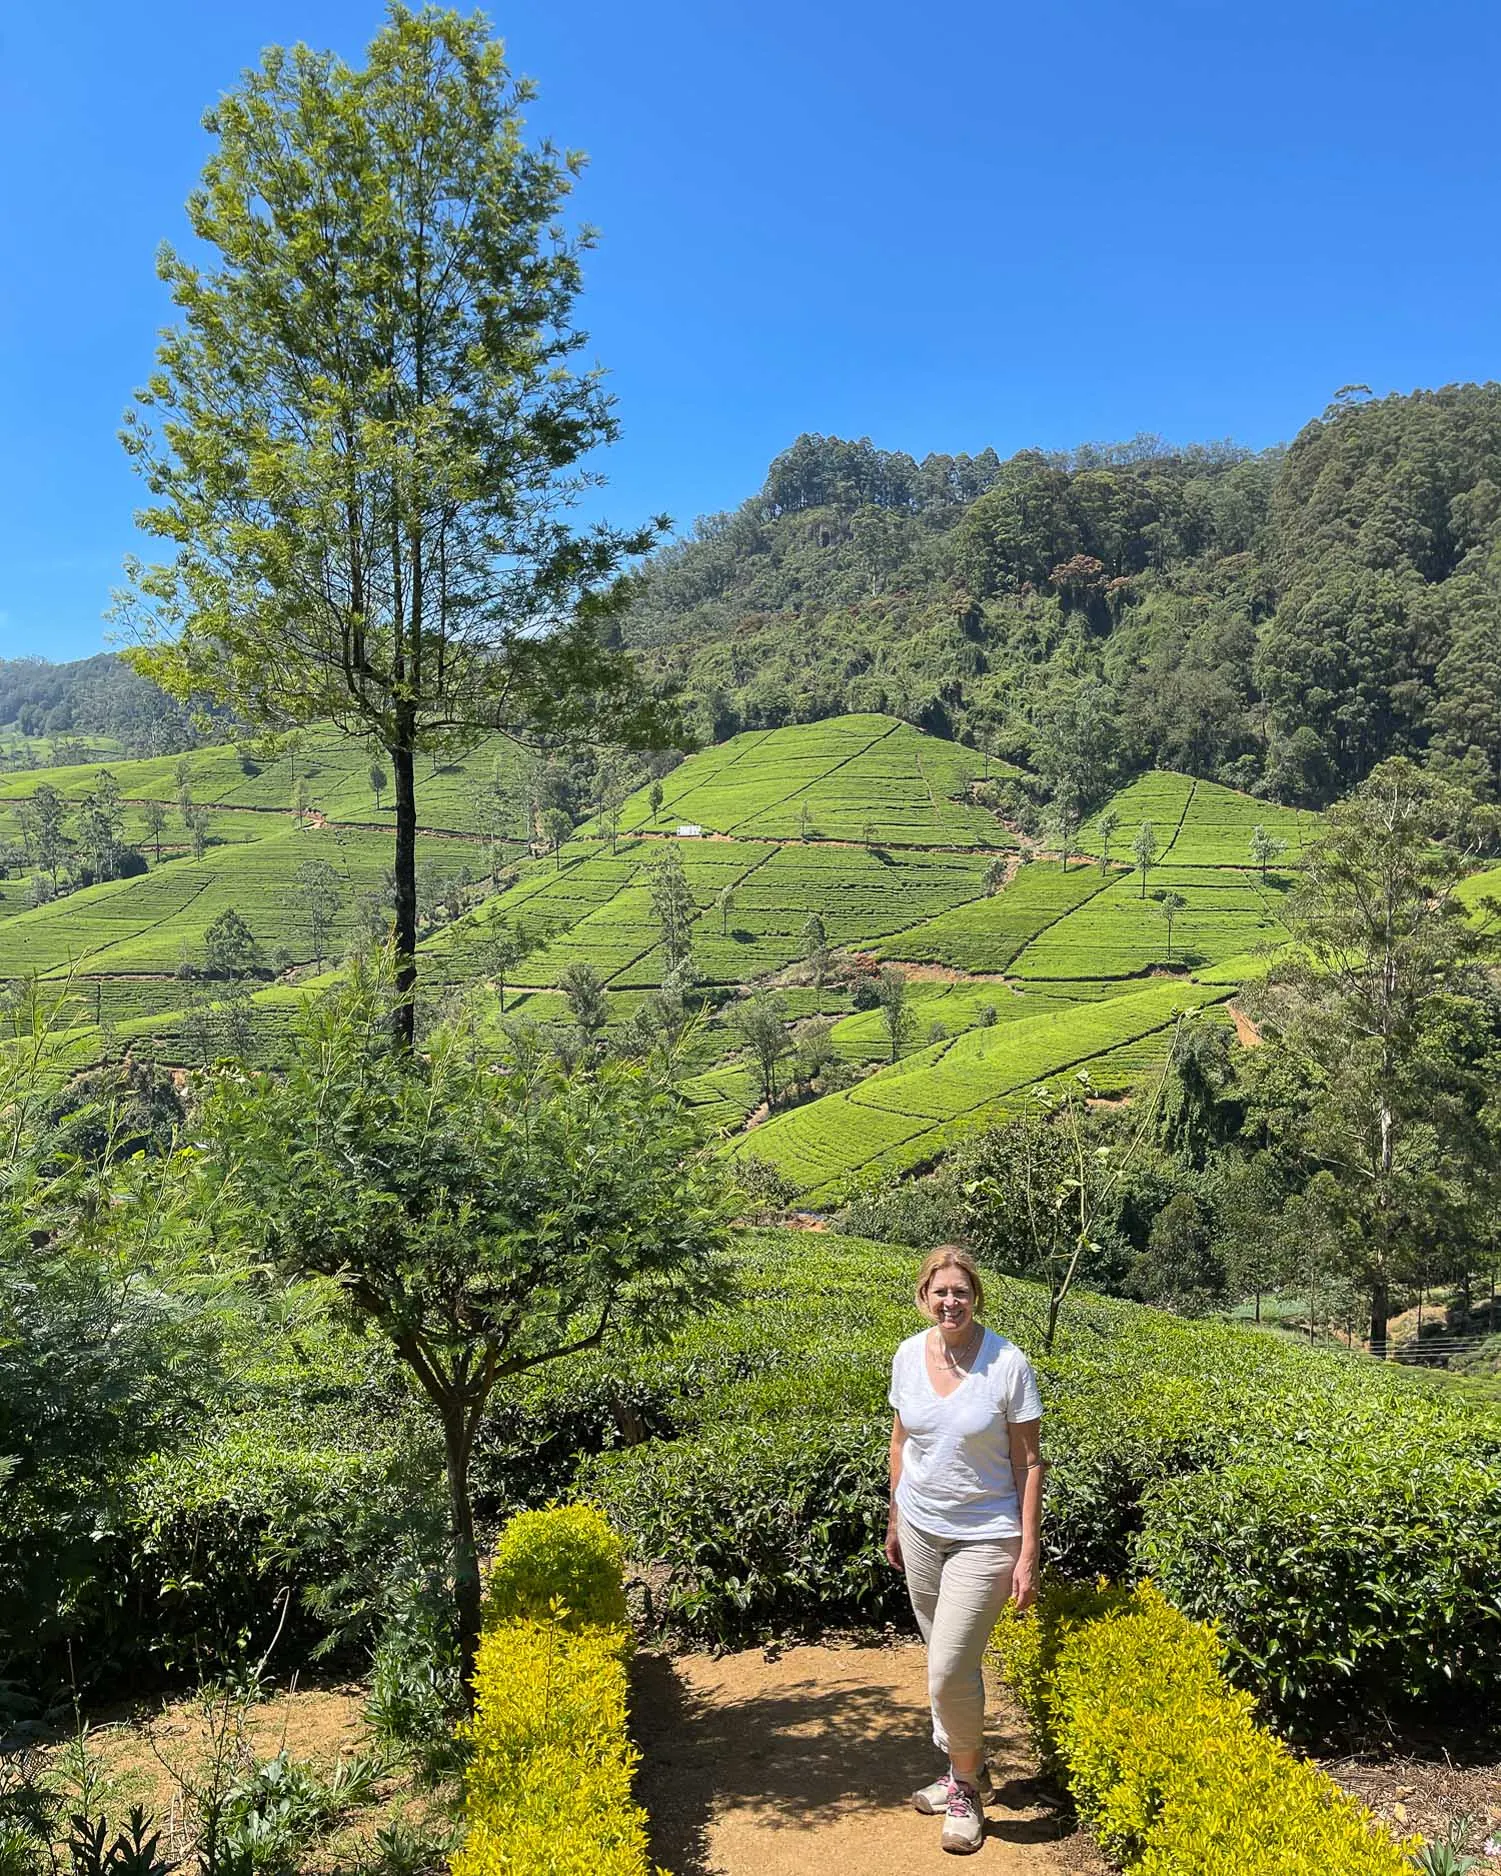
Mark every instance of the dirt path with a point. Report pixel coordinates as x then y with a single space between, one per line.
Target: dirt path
802 1763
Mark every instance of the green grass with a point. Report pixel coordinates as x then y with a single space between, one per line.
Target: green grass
599 905
906 1114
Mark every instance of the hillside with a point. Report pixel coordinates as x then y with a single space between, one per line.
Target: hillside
1277 622
1013 966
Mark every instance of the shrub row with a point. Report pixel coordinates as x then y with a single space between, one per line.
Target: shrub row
1338 1519
1128 1705
548 1788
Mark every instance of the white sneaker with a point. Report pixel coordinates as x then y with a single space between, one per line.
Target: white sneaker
933 1800
964 1821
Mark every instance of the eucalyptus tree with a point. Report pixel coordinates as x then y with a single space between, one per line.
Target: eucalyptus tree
363 434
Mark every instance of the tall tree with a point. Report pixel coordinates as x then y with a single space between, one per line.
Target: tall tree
370 423
154 814
1265 848
1169 905
49 813
896 1013
1388 1119
584 988
1106 828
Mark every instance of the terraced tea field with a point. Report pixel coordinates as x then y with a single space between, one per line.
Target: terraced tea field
909 1113
862 820
853 778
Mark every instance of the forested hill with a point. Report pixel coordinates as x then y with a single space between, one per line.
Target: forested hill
1280 622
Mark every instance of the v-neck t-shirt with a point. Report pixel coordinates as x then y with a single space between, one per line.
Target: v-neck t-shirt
956 1464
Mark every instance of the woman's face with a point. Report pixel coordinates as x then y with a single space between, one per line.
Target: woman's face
951 1300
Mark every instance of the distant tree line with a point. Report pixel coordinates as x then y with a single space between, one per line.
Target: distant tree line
1282 622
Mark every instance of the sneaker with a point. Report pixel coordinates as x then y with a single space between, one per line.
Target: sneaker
964 1820
933 1800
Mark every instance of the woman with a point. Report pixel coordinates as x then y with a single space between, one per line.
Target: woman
966 1513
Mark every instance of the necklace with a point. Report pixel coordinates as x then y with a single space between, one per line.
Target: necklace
971 1349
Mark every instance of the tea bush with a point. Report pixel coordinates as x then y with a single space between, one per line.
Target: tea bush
1128 1705
548 1789
1338 1519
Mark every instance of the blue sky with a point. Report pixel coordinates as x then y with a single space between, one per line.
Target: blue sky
943 227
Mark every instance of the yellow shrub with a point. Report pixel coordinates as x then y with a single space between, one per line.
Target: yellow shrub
568 1552
1163 1758
548 1788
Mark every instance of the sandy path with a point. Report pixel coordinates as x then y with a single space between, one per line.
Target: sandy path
803 1763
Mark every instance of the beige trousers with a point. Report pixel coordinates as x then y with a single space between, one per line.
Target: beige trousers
958 1589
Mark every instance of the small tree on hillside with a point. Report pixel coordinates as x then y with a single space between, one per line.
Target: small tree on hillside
557 825
154 814
995 875
230 948
724 904
1265 848
196 822
1063 825
379 782
485 1220
316 904
816 955
1107 826
672 902
49 815
1144 852
896 1015
654 799
762 1020
584 988
501 947
1169 905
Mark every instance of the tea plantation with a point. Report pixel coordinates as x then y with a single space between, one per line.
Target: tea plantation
863 821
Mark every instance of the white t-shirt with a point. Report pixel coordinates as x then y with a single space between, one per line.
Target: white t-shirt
956 1464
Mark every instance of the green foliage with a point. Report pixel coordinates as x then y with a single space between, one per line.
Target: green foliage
1336 1585
1162 1757
484 1218
548 1787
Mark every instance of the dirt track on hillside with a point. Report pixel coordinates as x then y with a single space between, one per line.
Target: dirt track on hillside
791 1764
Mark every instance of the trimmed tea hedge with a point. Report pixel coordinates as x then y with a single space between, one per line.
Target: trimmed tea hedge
1127 1704
548 1788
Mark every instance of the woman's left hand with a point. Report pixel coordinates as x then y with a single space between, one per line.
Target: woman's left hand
1024 1583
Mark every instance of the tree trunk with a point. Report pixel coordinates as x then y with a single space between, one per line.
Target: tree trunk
1380 1305
405 1023
463 1550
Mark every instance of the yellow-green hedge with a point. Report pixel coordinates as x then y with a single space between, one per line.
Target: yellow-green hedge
1128 1705
548 1789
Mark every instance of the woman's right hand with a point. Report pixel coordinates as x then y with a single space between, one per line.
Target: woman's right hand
893 1546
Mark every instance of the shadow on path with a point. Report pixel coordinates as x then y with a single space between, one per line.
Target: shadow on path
758 1765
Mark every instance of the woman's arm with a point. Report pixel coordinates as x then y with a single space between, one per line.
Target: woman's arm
893 1542
1026 1469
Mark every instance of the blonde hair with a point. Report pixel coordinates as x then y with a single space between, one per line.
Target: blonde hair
946 1256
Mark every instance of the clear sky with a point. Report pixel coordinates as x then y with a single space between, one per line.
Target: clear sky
941 226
